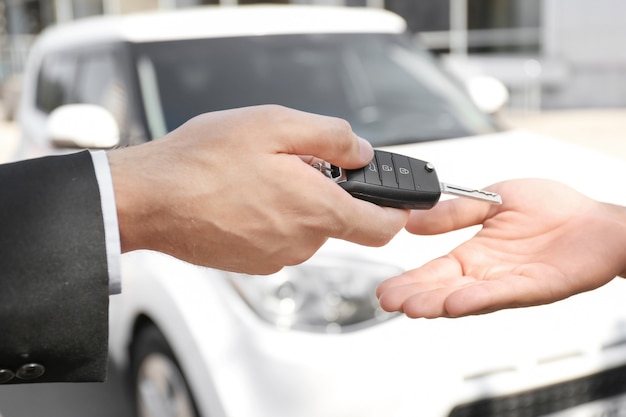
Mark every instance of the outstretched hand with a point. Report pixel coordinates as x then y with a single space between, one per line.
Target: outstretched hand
545 243
234 190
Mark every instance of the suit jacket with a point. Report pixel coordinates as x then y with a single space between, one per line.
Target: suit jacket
53 272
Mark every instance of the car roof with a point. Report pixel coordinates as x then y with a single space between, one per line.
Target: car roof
224 21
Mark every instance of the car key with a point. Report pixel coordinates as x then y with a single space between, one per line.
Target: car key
395 180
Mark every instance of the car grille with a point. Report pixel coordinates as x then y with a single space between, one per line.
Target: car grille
549 399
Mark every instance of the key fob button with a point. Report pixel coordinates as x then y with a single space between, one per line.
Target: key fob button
403 172
371 173
425 180
387 170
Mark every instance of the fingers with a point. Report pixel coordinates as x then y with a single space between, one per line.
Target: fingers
344 217
328 138
449 215
438 289
372 225
422 291
450 301
460 296
425 291
509 291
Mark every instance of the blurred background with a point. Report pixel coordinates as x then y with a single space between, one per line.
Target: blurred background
562 61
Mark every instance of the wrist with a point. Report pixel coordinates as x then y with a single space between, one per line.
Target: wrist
130 199
618 216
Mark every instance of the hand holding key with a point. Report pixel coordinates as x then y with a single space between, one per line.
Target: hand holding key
232 190
545 243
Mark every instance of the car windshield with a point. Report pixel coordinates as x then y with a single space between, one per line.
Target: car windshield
389 90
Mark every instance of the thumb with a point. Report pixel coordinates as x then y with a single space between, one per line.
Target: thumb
327 138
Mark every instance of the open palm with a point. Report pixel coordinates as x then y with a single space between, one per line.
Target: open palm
545 242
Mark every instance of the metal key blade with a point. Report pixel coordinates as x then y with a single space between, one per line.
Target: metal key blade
482 195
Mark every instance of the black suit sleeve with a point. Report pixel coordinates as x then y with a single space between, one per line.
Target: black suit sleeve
54 281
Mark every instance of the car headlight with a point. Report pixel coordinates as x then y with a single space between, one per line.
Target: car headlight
325 294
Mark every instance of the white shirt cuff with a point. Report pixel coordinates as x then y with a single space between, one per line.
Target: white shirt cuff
109 213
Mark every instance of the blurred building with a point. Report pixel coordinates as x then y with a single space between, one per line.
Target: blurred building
550 53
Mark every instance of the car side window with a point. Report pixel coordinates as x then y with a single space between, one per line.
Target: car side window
56 81
98 81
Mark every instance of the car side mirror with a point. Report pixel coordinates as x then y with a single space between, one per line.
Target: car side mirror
489 94
82 126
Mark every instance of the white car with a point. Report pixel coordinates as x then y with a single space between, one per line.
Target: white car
311 341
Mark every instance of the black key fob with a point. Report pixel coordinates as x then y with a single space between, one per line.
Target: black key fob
395 180
392 180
